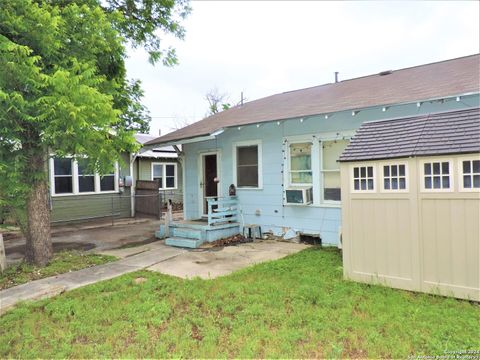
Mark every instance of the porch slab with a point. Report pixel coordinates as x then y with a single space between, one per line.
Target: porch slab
212 263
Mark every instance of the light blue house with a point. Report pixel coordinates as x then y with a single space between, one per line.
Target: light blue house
281 152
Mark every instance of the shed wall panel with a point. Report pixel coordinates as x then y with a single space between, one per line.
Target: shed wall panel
417 240
450 231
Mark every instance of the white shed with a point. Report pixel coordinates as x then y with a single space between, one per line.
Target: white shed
411 204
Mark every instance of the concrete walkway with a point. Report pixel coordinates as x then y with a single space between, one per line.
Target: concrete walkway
205 263
214 263
55 285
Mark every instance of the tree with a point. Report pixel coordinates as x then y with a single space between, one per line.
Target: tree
64 91
218 101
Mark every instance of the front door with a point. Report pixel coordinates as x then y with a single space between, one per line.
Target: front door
209 185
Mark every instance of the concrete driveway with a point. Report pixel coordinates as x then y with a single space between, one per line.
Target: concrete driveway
94 237
210 263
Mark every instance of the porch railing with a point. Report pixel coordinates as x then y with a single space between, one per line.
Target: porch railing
222 210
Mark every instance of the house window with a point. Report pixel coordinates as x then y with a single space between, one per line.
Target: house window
301 163
247 166
436 175
63 176
363 178
471 174
169 176
73 177
107 182
166 174
394 177
86 178
157 173
330 168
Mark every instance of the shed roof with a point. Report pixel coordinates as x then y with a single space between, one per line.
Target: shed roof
453 132
431 81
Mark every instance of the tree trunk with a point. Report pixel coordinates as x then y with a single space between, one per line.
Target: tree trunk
38 249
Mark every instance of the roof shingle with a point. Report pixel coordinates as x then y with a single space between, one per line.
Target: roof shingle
442 79
453 132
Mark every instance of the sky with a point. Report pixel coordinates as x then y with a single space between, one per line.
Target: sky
265 48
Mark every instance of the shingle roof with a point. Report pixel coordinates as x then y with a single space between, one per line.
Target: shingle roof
453 132
424 82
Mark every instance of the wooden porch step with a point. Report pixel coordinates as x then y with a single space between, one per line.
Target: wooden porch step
188 233
183 242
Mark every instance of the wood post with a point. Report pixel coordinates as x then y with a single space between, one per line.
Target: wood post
3 257
168 218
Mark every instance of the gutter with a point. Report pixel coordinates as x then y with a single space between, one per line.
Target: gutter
220 130
177 142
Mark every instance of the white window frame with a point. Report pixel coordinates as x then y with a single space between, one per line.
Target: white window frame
460 161
317 179
75 186
96 182
323 171
310 140
352 178
257 143
381 176
450 174
164 174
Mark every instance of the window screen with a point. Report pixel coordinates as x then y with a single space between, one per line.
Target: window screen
86 179
63 178
247 166
301 163
331 151
158 173
107 182
170 176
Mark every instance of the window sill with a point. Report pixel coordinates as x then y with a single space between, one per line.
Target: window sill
469 190
86 193
324 205
249 188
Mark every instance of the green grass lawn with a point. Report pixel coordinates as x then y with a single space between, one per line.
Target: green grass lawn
298 306
62 262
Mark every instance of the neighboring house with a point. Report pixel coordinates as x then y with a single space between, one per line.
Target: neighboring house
411 203
281 151
77 196
160 164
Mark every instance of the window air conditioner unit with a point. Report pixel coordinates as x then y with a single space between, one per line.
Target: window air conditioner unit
298 196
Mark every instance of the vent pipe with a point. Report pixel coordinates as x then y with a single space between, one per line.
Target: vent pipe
336 76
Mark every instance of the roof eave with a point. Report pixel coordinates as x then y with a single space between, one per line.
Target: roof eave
179 141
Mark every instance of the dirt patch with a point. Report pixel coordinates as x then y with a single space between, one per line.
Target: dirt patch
57 247
139 280
230 241
11 235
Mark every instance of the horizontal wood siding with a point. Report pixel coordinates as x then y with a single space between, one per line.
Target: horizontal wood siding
269 200
84 207
145 173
